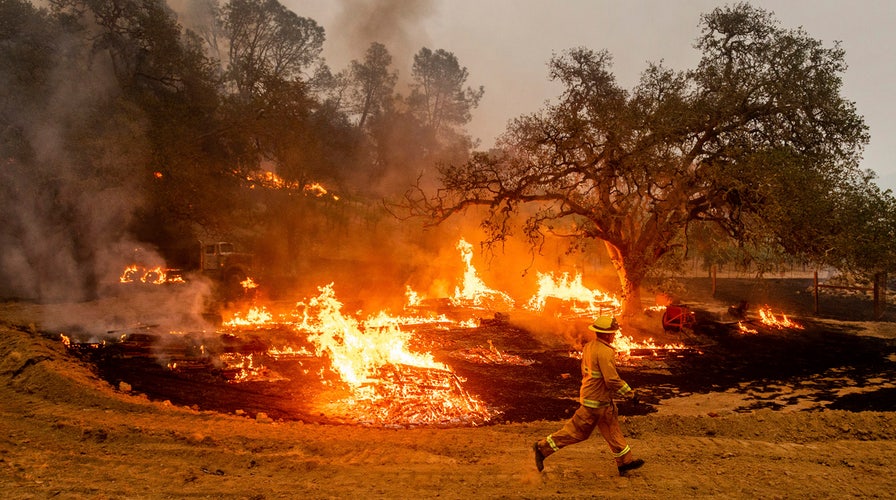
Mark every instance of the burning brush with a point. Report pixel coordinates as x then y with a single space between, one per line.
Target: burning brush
769 319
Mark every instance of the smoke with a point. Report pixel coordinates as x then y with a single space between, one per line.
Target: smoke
397 24
69 186
55 213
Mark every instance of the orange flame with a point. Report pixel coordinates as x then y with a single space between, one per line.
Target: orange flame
315 188
624 345
768 318
384 376
129 275
356 351
414 299
745 329
584 300
256 316
474 291
154 276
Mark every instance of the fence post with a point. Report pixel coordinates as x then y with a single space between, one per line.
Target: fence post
880 295
815 283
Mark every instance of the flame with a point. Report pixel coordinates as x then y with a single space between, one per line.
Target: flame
315 188
270 180
745 329
584 300
129 275
248 284
245 368
624 345
384 376
414 299
256 316
474 291
155 276
356 350
288 351
768 318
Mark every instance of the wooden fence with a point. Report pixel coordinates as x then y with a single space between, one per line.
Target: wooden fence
879 293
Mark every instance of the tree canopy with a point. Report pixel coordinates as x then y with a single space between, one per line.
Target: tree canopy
756 140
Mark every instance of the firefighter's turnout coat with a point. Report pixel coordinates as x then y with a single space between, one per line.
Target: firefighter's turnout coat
600 380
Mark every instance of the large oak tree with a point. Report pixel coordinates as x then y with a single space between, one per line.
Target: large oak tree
756 140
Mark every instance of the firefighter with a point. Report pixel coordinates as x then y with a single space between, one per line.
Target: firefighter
600 384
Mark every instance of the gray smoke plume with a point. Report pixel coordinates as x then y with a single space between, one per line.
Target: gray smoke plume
397 24
68 186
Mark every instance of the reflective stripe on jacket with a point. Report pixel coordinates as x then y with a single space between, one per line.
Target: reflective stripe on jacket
600 380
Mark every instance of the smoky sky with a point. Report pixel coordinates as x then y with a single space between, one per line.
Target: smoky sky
506 45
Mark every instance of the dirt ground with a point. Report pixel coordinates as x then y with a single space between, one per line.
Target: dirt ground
745 426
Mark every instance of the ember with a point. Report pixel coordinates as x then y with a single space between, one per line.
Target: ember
491 355
246 368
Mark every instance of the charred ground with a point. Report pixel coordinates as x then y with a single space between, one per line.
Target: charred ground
527 378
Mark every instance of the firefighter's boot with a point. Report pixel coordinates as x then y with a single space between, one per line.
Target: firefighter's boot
539 457
630 464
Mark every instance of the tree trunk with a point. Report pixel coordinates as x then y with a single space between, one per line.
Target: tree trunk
630 276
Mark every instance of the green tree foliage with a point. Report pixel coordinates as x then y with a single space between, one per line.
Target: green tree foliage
756 140
438 98
373 83
863 230
268 43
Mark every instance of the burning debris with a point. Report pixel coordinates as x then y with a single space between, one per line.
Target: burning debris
247 368
153 276
266 179
379 369
491 355
768 319
386 379
580 301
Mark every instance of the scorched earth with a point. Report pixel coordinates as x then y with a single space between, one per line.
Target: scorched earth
772 414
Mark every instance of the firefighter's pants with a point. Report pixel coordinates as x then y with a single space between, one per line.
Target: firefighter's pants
580 427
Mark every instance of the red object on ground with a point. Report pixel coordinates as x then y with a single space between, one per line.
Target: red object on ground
677 317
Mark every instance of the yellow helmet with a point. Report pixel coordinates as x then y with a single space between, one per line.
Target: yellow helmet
604 324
